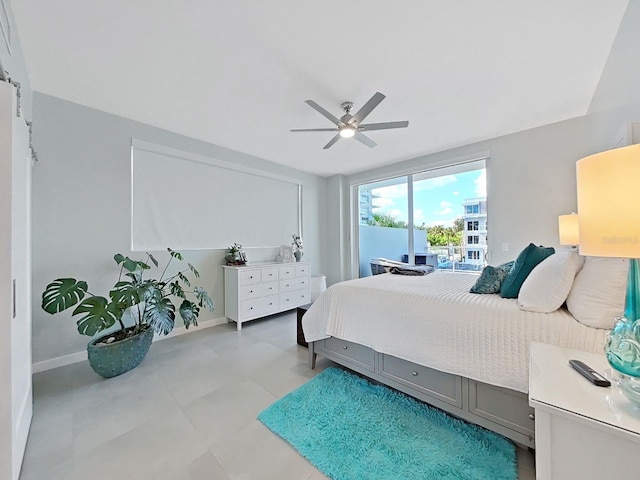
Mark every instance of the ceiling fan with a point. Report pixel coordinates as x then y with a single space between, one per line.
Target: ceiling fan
349 125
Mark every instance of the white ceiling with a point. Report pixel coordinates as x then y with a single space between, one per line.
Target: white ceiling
236 73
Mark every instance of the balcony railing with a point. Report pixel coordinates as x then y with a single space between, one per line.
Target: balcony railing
456 258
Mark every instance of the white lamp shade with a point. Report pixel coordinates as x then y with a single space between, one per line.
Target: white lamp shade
609 203
568 229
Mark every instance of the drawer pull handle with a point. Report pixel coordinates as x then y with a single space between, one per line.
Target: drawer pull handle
415 374
532 416
250 291
251 276
270 303
302 283
270 288
287 284
345 347
250 308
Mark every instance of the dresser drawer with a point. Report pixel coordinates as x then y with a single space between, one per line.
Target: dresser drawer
269 274
249 277
505 407
287 272
293 299
443 386
259 306
359 354
302 270
258 290
293 284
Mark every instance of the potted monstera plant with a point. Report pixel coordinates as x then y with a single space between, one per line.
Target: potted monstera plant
147 303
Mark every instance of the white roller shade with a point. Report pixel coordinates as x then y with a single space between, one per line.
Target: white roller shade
187 201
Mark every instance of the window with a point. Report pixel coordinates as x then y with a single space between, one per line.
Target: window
474 255
424 214
471 209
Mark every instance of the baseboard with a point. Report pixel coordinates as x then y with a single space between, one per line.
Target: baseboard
81 356
59 361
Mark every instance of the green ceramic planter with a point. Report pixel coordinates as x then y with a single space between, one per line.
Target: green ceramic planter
113 359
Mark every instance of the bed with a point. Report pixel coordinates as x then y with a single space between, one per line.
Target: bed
429 337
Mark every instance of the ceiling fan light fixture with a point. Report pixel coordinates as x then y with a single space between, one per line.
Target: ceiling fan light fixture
351 126
347 131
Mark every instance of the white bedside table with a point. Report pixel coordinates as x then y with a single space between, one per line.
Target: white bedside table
582 431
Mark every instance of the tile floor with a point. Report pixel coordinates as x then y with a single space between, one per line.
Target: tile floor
188 412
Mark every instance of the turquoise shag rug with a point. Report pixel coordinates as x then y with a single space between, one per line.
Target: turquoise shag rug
351 429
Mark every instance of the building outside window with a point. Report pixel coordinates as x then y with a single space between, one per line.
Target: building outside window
475 220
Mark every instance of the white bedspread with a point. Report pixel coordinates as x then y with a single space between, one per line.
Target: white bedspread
434 321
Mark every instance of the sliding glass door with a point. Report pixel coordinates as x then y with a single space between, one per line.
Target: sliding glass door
445 210
383 224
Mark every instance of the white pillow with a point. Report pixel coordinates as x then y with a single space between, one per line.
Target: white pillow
597 295
547 286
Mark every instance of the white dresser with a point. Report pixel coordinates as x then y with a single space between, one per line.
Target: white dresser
257 290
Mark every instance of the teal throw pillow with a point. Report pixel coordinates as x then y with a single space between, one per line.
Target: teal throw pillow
491 279
526 261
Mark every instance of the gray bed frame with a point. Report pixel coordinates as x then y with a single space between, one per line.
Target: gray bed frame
501 410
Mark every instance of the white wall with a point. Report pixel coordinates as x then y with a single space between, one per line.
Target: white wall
81 210
618 85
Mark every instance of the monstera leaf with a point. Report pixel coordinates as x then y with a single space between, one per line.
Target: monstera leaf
189 312
177 290
131 265
161 315
126 294
62 294
204 300
100 315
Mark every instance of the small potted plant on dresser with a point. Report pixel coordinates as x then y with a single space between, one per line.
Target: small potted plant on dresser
147 300
235 255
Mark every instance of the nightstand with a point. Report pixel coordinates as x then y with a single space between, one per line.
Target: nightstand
582 431
301 310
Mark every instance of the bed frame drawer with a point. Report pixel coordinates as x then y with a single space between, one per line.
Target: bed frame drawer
500 405
443 386
360 355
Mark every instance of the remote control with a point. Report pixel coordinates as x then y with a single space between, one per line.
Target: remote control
589 373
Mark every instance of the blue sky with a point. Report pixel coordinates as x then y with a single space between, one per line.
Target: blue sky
437 201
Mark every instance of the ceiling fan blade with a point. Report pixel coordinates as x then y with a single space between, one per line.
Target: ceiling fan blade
313 130
368 107
333 140
364 139
382 126
322 111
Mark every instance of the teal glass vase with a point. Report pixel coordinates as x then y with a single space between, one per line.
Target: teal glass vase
623 346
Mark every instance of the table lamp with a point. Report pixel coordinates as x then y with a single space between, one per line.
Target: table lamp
568 229
609 223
